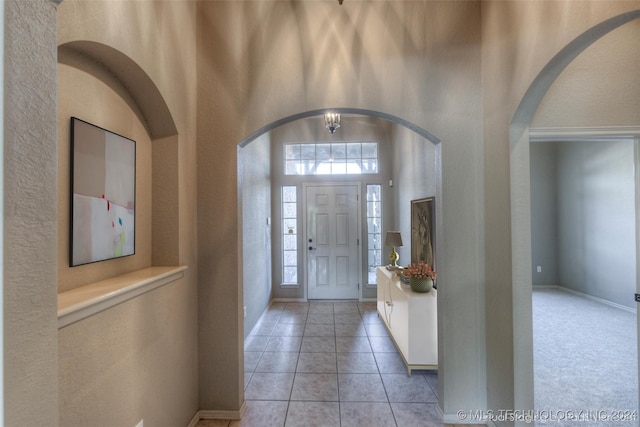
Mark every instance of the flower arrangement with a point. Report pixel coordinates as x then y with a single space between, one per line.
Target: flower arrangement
420 270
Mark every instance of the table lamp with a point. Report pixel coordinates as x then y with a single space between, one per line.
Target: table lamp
393 239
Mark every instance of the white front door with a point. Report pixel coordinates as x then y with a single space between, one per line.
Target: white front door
332 241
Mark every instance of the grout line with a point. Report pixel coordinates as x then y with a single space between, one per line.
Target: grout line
337 374
337 369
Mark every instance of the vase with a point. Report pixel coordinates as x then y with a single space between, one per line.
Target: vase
420 285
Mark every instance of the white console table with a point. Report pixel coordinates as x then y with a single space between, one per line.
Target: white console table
411 318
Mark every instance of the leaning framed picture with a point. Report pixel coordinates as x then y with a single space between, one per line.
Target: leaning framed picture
103 194
422 231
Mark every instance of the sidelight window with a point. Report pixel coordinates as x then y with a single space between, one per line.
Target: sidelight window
374 231
289 235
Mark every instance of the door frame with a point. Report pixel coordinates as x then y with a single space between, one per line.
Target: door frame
360 246
600 134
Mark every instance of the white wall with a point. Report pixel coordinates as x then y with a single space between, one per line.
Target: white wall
596 219
254 171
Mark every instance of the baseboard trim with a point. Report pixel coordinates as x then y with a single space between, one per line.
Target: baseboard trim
267 309
194 420
455 419
590 297
289 300
205 414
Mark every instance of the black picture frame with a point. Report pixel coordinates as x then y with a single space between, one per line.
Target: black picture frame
102 195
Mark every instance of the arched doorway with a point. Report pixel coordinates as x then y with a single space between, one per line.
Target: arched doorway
268 134
520 201
362 121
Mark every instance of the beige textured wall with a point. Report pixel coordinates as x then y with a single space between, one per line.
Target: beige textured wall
262 61
133 362
137 360
519 39
587 94
77 95
29 191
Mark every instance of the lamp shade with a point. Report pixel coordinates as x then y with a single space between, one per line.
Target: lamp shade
393 238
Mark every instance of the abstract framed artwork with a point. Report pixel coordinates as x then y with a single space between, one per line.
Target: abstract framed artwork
422 231
103 189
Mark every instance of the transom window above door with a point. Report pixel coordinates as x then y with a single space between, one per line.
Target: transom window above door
341 158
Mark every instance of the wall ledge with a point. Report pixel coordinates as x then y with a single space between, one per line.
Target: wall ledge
80 303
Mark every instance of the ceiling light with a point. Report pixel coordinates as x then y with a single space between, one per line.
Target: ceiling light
332 121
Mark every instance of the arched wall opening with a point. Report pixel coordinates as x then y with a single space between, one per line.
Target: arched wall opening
356 111
104 86
521 202
157 150
257 233
434 81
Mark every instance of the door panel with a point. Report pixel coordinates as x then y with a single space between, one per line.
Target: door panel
342 271
342 230
322 230
322 268
333 255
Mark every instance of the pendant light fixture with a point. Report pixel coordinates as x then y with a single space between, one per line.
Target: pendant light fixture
332 122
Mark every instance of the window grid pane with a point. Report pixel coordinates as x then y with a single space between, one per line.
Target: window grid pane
289 228
345 158
374 230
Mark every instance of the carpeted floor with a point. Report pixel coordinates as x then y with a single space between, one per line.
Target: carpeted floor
585 361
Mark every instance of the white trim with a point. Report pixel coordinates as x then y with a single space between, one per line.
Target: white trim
289 285
194 420
592 298
85 301
205 414
580 133
289 300
455 419
259 321
223 415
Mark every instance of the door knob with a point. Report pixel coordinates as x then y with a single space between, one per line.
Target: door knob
311 248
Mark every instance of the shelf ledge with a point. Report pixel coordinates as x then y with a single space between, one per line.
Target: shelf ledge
85 301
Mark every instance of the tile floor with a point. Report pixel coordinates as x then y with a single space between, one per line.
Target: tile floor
330 364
